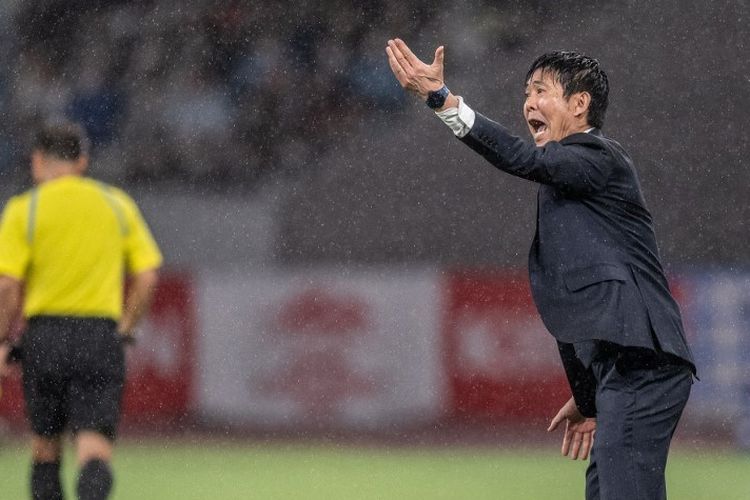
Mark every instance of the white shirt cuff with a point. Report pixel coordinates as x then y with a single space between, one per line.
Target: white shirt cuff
460 119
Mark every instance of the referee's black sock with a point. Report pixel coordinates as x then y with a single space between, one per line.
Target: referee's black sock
95 480
45 481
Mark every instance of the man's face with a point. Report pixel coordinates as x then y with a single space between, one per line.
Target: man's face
549 115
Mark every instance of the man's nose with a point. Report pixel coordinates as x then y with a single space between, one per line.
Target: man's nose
529 104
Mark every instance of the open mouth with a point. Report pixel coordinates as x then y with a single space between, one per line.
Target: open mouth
538 127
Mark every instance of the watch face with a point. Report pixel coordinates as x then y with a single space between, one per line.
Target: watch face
436 98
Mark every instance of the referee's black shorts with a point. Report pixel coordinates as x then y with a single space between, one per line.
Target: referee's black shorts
73 375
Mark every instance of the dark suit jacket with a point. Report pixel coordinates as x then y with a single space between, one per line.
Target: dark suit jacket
594 264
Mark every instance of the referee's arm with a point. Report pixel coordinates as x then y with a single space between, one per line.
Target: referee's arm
140 291
10 301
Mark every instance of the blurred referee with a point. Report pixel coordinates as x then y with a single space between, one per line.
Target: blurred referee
68 243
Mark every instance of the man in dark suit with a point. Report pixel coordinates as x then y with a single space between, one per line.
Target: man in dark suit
594 267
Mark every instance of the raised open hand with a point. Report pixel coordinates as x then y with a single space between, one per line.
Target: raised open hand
414 75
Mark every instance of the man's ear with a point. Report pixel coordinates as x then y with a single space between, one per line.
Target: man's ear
581 102
36 157
82 163
37 165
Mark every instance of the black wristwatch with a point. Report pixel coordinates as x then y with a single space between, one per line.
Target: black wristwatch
436 98
127 339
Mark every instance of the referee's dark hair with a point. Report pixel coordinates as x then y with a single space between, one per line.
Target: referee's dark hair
63 139
577 73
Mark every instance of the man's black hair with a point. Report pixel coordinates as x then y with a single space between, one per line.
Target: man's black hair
62 139
577 73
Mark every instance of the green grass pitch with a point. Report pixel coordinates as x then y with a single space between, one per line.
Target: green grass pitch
164 469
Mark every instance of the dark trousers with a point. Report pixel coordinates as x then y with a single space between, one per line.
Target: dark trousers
639 401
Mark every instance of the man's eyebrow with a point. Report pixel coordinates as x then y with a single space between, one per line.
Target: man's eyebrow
535 82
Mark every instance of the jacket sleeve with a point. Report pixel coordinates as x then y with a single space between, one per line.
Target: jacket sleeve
581 167
581 380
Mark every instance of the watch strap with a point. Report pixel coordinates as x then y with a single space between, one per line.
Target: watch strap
436 98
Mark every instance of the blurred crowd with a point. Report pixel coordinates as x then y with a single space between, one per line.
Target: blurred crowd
225 94
200 91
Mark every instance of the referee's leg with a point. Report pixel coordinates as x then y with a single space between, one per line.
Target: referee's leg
45 394
45 470
94 455
95 395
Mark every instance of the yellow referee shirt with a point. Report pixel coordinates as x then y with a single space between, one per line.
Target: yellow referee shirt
71 240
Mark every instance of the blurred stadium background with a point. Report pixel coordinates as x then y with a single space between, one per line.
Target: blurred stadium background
345 312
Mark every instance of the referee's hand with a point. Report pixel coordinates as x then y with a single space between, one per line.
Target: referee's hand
4 355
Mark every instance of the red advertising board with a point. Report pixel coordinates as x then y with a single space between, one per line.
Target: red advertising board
501 362
160 365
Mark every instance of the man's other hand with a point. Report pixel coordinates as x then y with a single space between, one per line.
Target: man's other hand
414 75
579 431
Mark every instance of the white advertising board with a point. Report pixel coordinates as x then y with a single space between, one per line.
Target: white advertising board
353 350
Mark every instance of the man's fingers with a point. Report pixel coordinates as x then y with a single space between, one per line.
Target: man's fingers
566 443
398 70
556 421
400 57
396 67
408 54
575 447
553 425
586 445
439 56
